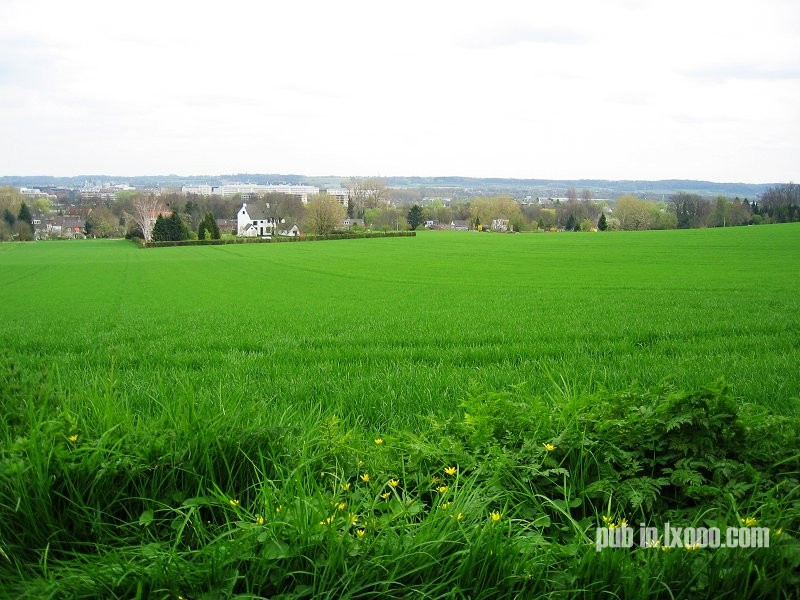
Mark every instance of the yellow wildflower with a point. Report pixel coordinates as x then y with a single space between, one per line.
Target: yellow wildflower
352 519
233 503
622 523
386 495
549 447
279 508
341 505
748 521
346 487
778 531
436 479
607 519
365 477
445 505
327 521
360 532
73 437
458 517
496 516
690 547
379 441
441 489
394 482
259 520
451 470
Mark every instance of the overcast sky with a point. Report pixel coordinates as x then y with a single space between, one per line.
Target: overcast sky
618 89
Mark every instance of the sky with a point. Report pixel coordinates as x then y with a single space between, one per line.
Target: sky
581 89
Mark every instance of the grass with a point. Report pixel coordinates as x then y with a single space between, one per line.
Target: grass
263 374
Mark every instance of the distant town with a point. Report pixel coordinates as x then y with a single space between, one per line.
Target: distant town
105 207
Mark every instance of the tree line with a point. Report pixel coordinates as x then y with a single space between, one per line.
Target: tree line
373 206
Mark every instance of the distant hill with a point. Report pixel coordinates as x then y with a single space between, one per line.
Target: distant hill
445 185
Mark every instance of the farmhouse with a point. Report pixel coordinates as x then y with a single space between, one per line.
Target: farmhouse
251 221
500 225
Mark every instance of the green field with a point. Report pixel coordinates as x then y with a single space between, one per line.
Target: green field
262 374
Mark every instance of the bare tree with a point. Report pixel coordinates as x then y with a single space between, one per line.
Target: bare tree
283 208
145 209
572 194
365 193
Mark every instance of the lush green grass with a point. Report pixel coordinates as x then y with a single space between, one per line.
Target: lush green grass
193 376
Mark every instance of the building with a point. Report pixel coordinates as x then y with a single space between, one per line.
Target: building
33 193
501 225
251 221
341 194
250 190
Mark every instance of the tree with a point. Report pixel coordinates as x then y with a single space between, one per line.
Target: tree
547 218
634 213
24 214
572 194
571 224
160 232
485 210
143 209
365 193
213 227
101 222
323 214
602 223
781 203
690 209
10 199
24 225
178 230
9 217
283 208
170 229
208 228
415 218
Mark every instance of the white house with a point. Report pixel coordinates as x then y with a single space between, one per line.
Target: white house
501 225
252 222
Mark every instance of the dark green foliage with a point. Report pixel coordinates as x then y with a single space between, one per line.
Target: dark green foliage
24 224
571 223
690 209
781 203
9 217
208 228
236 503
170 229
24 214
161 232
415 217
602 223
178 229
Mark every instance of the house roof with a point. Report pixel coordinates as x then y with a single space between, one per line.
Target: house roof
256 211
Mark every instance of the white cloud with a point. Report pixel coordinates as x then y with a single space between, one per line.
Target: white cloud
619 89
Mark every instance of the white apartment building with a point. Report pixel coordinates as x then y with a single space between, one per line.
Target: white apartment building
250 189
341 194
